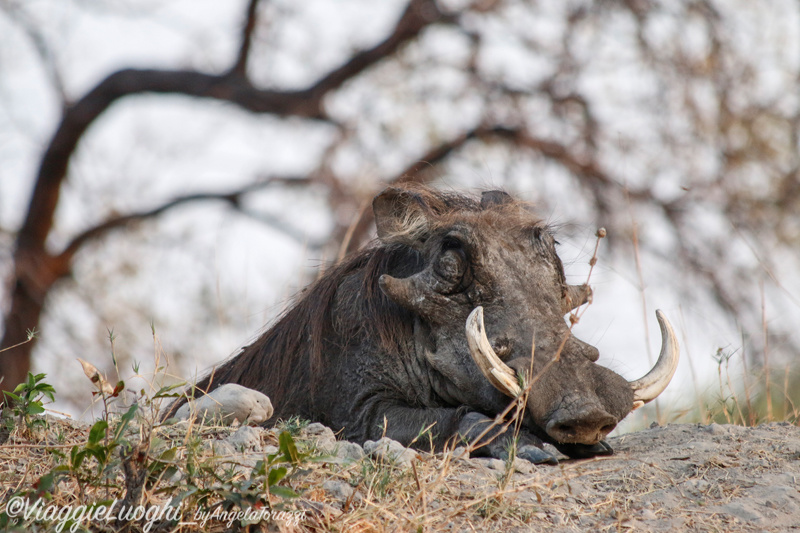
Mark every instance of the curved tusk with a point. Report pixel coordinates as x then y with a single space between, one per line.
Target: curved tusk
496 371
654 382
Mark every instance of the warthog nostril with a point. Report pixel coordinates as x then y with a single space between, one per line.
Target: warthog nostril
588 426
564 428
608 428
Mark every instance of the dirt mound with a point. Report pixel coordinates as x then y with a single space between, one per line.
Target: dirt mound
672 478
681 477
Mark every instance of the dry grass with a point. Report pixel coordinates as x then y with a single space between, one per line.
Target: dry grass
438 492
682 476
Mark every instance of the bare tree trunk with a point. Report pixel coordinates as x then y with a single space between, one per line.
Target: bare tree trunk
15 362
36 271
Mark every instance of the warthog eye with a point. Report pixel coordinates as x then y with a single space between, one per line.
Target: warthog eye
451 264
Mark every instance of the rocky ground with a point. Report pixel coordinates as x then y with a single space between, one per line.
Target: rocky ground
673 478
683 477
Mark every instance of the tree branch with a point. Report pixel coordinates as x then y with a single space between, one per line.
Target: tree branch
240 67
236 89
40 45
418 15
233 198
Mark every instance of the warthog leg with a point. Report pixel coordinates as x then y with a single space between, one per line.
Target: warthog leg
499 442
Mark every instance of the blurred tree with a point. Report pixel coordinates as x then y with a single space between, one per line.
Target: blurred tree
673 124
36 270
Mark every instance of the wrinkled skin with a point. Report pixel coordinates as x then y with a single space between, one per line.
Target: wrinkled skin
378 347
513 271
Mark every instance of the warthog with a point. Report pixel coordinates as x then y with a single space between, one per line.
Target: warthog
424 336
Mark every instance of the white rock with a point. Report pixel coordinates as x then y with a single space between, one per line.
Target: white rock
219 447
338 490
246 439
321 437
461 453
228 403
390 450
489 463
523 467
348 452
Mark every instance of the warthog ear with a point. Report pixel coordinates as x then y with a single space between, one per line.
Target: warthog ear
401 216
492 198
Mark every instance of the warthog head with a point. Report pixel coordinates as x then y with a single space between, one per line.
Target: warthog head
494 268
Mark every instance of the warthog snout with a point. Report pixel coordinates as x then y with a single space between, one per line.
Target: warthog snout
587 426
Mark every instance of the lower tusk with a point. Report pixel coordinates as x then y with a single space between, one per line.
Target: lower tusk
654 382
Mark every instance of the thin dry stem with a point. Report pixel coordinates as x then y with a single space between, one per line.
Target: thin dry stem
765 333
751 414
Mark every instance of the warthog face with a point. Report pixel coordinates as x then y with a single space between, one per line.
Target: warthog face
495 269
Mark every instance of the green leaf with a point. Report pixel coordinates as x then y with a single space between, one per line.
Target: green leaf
35 408
162 392
76 456
57 453
12 395
49 394
39 422
276 474
271 458
98 452
283 492
130 413
46 484
287 447
98 431
168 455
169 472
44 387
124 420
260 469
